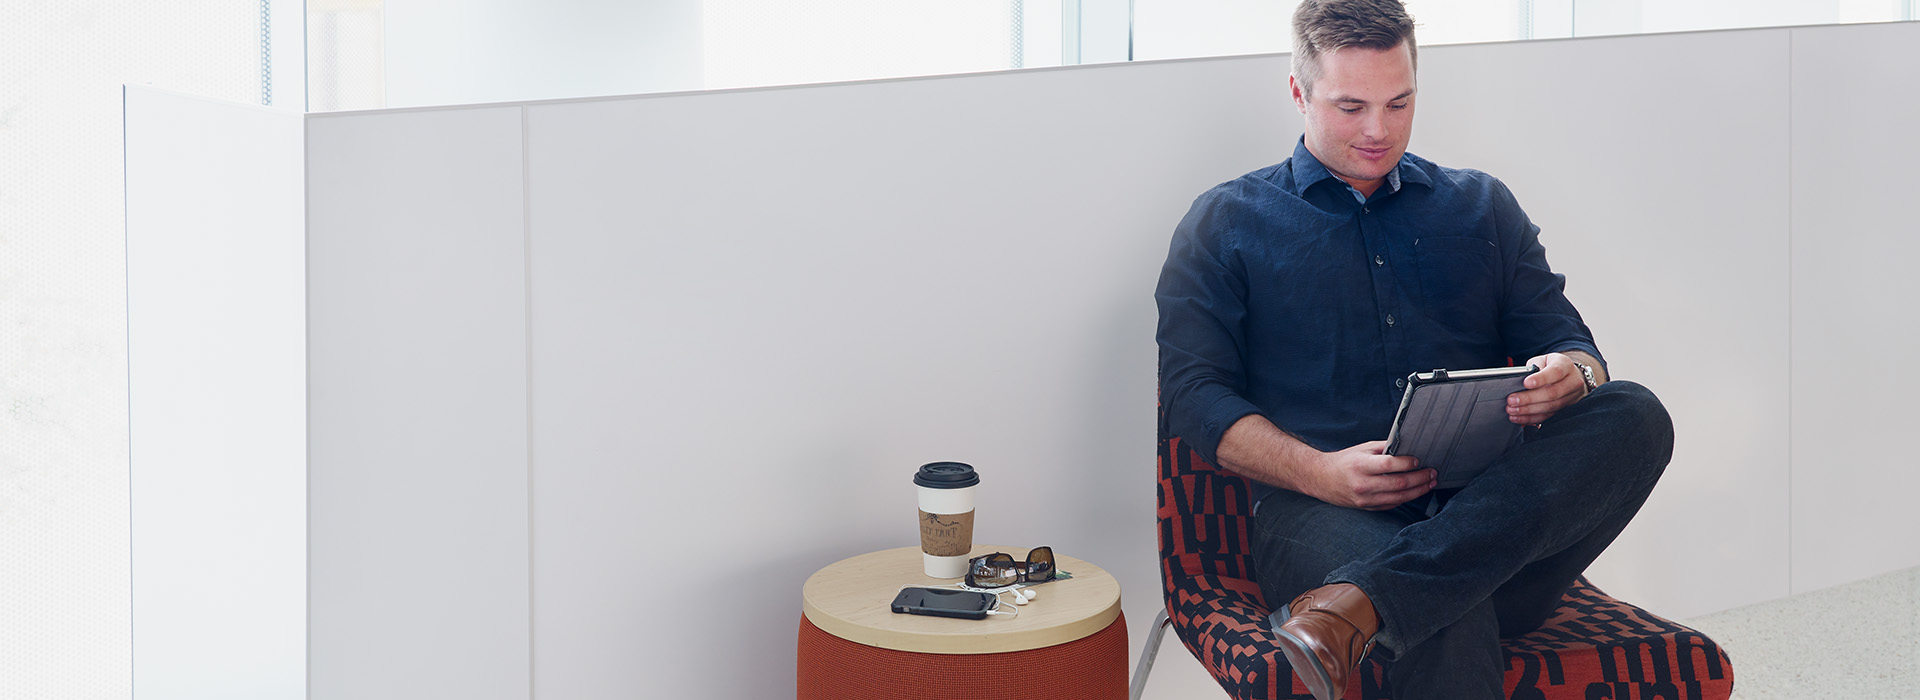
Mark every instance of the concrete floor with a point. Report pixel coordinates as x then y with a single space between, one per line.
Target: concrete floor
1858 640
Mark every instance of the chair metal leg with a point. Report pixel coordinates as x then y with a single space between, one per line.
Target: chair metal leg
1160 624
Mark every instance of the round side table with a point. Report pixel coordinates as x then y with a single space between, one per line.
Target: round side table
1071 642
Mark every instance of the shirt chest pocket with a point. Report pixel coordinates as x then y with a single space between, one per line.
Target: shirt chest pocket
1460 279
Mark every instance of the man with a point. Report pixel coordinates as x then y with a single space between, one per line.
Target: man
1294 302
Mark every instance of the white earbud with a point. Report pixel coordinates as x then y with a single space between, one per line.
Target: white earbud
1029 593
1021 597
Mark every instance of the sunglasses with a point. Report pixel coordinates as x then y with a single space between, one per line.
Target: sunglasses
1000 569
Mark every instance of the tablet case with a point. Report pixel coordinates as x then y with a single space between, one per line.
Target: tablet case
1456 422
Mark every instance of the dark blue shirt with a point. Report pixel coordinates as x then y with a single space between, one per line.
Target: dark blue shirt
1286 296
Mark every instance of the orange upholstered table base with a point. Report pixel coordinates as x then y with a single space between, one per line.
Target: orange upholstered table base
1094 666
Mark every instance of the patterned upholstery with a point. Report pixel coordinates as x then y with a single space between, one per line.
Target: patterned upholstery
1592 647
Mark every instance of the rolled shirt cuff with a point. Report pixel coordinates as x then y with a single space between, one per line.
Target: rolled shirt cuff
1587 348
1214 422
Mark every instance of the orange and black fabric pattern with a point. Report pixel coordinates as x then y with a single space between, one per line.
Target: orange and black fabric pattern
1592 647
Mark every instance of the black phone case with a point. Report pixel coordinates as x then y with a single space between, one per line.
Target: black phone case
928 601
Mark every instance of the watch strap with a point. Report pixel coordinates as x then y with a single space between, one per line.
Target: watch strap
1586 375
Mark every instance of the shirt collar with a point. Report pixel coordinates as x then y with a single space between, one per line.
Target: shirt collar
1393 185
1308 171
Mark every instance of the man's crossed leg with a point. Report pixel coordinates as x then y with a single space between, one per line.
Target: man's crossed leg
1440 592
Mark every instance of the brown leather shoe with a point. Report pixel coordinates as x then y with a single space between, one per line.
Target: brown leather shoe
1325 633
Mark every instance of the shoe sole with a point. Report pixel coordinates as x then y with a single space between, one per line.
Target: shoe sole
1305 664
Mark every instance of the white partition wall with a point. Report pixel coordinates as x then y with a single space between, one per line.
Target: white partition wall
217 395
1854 184
417 374
567 399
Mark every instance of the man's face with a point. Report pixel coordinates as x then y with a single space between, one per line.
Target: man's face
1360 115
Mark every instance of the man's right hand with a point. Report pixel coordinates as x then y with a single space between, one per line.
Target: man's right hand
1356 477
1362 477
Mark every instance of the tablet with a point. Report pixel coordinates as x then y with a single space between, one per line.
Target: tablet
1456 422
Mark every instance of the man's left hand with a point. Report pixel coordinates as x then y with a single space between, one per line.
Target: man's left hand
1557 385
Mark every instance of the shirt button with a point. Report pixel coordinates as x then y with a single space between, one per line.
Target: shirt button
1378 261
1400 383
1366 210
1389 319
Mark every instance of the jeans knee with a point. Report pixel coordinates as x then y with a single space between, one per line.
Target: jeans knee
1643 420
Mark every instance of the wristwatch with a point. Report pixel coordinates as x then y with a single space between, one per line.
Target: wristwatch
1586 374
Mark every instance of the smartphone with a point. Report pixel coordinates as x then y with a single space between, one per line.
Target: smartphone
970 605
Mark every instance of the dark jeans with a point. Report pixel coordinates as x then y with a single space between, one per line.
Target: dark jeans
1494 561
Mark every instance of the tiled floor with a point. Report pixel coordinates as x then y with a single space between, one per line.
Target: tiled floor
1859 640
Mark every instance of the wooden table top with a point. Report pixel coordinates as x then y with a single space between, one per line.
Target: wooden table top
850 599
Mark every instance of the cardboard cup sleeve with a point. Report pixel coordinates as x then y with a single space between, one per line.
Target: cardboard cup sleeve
946 534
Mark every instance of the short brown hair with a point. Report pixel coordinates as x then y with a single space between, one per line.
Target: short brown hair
1325 26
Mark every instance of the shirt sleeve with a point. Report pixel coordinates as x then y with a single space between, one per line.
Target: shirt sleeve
1536 317
1202 300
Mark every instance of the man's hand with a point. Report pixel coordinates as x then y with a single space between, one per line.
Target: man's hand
1361 477
1557 385
1356 477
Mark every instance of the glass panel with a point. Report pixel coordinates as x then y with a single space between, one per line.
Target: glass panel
774 42
1439 22
346 59
1180 29
1691 15
356 49
1183 28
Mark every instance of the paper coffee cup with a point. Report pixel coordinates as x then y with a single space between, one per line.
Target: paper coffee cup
946 517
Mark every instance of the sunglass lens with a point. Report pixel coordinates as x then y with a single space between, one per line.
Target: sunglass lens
992 571
1040 564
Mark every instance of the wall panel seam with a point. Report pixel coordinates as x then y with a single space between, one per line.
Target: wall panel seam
526 261
1791 35
306 368
126 272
